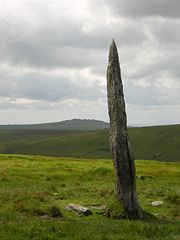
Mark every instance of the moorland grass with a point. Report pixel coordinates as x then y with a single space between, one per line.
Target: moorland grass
159 143
35 191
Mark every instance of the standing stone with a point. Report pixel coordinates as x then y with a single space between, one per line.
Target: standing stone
121 150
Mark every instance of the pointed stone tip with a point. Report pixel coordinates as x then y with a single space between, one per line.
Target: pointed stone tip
113 52
113 42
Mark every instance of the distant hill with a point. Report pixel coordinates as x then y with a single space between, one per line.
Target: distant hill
72 125
158 143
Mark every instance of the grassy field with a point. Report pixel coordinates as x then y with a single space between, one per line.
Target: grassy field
35 191
159 143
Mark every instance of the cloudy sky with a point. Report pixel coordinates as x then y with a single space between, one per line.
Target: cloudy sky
53 59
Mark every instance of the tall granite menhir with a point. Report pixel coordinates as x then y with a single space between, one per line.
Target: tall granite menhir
121 150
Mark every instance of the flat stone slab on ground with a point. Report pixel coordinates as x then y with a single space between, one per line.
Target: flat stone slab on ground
79 209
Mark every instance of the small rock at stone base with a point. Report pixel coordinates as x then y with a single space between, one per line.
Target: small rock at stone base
156 203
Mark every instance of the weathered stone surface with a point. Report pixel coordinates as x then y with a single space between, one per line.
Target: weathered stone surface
79 209
100 209
156 203
121 149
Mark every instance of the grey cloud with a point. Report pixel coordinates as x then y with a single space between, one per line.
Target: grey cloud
37 53
155 89
165 61
165 31
61 41
51 48
48 88
141 8
154 83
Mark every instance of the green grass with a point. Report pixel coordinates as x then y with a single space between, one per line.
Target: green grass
34 186
159 143
92 144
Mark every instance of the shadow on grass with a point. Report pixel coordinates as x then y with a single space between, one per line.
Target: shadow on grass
148 217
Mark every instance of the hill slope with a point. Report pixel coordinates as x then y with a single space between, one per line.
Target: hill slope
72 125
160 143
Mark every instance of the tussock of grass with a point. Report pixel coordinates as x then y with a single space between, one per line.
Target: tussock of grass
173 198
55 211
